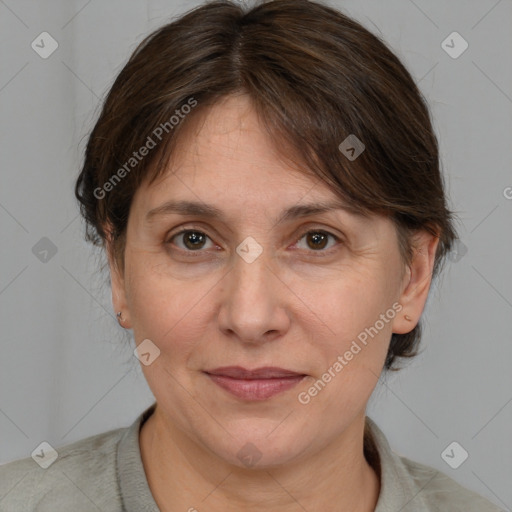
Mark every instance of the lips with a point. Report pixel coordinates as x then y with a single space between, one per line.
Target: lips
267 372
254 385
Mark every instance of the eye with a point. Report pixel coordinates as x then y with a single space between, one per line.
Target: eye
317 240
192 240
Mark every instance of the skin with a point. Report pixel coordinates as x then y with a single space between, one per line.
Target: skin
290 308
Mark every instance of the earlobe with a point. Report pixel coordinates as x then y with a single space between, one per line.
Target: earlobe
119 300
122 321
416 282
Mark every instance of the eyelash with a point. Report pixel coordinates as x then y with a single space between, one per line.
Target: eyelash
320 253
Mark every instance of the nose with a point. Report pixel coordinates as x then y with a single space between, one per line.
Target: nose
253 302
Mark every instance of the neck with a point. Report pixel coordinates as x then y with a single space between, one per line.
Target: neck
183 475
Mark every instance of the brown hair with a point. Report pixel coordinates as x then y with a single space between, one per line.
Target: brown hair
315 76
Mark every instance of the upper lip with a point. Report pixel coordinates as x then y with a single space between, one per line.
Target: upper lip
266 372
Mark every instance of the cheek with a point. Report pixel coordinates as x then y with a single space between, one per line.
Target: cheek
357 314
350 305
351 351
168 311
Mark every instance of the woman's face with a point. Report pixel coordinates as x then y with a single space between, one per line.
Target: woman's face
253 287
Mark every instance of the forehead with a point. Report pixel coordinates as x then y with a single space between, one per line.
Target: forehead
229 141
226 151
227 167
227 172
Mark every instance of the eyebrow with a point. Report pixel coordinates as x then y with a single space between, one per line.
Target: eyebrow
210 211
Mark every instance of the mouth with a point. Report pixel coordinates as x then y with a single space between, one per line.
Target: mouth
254 385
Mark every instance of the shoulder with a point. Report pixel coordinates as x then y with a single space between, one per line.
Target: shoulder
410 486
440 492
82 478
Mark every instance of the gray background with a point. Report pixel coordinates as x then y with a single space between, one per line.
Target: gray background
66 368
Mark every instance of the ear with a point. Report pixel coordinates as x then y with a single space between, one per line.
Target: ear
416 282
117 281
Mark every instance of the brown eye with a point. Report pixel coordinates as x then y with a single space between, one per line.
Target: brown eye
192 240
317 240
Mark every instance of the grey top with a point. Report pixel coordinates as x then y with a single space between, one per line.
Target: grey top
105 473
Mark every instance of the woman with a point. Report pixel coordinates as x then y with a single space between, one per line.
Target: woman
266 186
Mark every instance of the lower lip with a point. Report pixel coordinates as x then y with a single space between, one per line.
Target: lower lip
255 389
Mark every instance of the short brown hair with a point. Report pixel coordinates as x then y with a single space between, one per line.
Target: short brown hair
315 76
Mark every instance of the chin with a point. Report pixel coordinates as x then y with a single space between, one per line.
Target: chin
261 447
